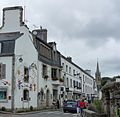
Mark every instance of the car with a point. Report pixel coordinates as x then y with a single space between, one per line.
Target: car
70 106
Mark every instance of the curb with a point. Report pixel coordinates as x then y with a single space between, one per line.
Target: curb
31 112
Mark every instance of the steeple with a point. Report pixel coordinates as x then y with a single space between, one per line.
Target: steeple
98 76
97 70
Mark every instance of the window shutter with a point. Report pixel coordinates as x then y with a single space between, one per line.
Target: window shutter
3 73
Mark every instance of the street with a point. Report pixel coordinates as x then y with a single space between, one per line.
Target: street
43 114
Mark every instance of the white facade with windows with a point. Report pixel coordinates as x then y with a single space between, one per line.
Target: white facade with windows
77 82
18 57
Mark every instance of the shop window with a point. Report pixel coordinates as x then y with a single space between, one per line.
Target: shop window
3 94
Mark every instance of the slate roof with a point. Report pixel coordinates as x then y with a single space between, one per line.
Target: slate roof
9 36
7 41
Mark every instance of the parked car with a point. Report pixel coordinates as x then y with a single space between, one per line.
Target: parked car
70 106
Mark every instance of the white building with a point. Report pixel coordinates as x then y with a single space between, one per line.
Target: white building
49 69
77 82
18 62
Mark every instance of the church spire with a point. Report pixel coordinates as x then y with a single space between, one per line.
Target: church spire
97 70
98 76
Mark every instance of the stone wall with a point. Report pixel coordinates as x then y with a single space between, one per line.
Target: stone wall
89 113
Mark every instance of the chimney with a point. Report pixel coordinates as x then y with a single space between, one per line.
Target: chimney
88 71
12 19
41 34
69 59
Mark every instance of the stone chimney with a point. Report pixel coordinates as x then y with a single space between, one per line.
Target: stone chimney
88 71
41 34
69 59
12 19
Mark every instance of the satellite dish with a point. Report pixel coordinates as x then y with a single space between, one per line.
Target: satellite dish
35 32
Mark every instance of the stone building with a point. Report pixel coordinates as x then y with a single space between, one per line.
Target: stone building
111 97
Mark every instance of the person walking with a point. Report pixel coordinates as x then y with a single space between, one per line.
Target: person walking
82 106
58 104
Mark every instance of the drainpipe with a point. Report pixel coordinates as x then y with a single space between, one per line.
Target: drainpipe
13 85
38 94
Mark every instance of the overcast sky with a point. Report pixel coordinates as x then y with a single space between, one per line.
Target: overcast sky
83 29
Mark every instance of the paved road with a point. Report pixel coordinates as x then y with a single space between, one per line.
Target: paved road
43 114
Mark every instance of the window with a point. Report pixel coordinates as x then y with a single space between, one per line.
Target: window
3 94
73 72
63 65
74 83
70 82
26 75
67 82
26 95
54 73
44 69
66 68
70 70
80 85
2 71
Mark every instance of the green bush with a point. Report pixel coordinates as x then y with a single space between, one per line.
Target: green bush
98 106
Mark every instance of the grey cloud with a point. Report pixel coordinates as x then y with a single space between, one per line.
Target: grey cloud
89 24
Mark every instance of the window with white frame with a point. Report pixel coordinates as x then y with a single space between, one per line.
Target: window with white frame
25 95
26 74
2 71
67 82
3 94
70 82
73 72
44 70
66 68
69 70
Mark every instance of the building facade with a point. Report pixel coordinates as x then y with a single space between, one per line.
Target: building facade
32 71
18 60
77 82
49 68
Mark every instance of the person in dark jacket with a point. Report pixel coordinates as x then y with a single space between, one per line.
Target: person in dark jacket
58 104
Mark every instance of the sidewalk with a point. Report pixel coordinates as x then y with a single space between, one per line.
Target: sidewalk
30 112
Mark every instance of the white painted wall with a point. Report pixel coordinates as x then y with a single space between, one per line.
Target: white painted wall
25 49
8 62
70 75
85 78
43 82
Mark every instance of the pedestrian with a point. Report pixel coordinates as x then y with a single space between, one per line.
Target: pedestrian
58 104
86 103
82 106
78 106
